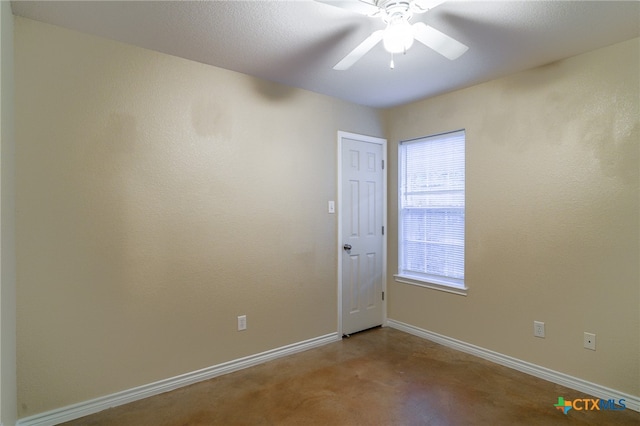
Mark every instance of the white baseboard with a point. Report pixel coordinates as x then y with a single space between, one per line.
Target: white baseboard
631 401
85 408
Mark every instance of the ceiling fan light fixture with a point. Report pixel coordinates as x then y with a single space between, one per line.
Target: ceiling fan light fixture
398 37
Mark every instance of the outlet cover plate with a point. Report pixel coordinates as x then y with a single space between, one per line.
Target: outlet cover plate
590 341
538 329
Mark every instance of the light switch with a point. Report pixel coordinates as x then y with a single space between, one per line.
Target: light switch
332 206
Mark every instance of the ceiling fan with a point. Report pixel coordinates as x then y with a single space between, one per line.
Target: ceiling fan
399 34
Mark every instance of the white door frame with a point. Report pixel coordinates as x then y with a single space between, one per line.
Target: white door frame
371 139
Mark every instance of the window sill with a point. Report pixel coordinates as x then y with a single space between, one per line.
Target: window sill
462 291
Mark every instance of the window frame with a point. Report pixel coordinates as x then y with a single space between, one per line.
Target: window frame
442 283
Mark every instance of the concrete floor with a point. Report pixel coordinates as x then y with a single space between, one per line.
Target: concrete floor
378 377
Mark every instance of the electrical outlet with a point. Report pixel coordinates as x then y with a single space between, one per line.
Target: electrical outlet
590 341
242 322
538 329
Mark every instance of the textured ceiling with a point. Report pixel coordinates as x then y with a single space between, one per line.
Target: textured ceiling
298 42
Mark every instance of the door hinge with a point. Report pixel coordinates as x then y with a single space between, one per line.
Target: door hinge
383 230
382 164
383 295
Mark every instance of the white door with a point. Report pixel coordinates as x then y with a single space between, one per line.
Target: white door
362 240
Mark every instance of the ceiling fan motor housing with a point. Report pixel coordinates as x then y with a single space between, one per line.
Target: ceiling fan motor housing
396 10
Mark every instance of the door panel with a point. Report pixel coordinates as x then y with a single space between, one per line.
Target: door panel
362 222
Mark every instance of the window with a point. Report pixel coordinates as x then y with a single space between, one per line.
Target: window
431 212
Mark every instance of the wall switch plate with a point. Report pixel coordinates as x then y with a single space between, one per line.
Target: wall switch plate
538 329
332 206
590 341
242 322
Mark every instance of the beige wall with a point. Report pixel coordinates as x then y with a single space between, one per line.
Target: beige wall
158 199
7 219
552 217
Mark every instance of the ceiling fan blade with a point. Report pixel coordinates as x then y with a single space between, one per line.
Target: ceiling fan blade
421 6
448 47
359 51
359 6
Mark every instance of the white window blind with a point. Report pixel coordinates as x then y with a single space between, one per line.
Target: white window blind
432 205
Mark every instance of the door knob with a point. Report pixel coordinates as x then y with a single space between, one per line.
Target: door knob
347 247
